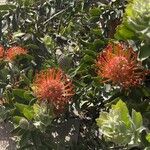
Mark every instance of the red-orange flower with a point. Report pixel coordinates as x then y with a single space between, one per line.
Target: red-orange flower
53 86
118 64
1 51
15 51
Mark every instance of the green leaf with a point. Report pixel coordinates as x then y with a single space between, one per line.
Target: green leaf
25 79
124 33
123 110
26 110
88 59
98 44
148 137
36 108
103 117
2 13
19 92
95 12
32 46
7 7
28 95
90 53
144 51
28 113
21 107
47 40
23 94
16 119
26 3
97 32
137 119
18 34
146 91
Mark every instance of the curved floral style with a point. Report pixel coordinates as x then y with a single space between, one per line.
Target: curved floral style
53 86
15 51
118 64
1 51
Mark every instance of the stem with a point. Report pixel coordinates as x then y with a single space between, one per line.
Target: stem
55 15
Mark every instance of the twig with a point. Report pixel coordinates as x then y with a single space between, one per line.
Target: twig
55 15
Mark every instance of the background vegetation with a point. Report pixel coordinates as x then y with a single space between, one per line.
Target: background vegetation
69 34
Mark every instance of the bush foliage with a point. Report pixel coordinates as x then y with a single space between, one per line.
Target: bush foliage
64 65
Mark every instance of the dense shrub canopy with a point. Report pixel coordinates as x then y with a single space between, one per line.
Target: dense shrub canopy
74 74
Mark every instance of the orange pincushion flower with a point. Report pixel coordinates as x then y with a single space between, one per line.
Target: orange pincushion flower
118 64
15 51
1 51
53 86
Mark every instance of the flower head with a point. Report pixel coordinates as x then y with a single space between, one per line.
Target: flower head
15 51
1 51
118 64
53 86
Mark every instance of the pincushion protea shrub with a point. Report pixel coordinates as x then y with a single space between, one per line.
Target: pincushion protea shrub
13 52
55 87
118 64
61 74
